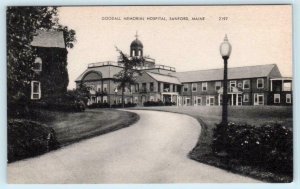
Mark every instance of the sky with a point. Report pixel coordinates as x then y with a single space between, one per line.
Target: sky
258 35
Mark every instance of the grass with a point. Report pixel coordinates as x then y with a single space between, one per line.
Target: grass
208 117
67 127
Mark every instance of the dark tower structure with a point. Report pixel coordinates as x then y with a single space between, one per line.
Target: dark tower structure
136 47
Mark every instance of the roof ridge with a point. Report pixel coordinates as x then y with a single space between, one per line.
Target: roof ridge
228 68
161 74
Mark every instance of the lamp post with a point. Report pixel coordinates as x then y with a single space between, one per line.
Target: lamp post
225 50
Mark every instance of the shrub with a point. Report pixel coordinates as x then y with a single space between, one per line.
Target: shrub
28 139
99 105
269 145
128 105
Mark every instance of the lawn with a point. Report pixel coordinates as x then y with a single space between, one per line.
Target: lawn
66 128
209 116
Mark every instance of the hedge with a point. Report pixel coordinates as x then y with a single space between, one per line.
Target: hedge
269 145
28 138
158 103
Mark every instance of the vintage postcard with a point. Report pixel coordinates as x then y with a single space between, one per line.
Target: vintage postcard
149 94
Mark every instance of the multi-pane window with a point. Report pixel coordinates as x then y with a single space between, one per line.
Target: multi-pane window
104 87
288 98
99 88
104 99
276 98
151 87
185 87
137 87
37 66
246 97
136 99
151 98
240 85
194 87
218 85
260 83
246 84
35 90
287 86
204 86
199 100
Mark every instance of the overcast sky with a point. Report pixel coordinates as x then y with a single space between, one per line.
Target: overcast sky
258 34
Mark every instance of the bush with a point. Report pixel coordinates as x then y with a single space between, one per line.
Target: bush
99 105
269 146
28 139
158 103
128 105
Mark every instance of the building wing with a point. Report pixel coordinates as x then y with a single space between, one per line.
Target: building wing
233 73
53 39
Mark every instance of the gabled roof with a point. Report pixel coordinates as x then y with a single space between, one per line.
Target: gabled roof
49 39
164 78
233 73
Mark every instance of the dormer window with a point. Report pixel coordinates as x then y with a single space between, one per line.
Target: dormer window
37 65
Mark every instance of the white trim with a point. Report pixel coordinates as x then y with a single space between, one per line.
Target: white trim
35 93
105 87
193 87
204 84
231 82
276 96
105 99
262 83
290 98
99 87
185 86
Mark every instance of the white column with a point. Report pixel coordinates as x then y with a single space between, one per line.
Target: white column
237 100
171 98
171 87
231 99
219 100
161 87
271 85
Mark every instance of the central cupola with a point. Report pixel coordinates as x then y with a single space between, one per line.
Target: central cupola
136 47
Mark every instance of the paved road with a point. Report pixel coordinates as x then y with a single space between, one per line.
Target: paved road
154 150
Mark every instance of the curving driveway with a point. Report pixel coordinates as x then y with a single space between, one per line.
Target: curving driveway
153 150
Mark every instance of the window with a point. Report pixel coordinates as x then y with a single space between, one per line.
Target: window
151 98
240 85
276 98
218 85
125 100
210 100
194 87
151 87
187 101
199 100
246 97
99 88
35 90
104 99
287 86
136 99
104 87
258 99
185 88
288 98
137 87
37 66
204 86
246 84
260 83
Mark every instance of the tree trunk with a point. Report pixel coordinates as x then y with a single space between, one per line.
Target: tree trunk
123 103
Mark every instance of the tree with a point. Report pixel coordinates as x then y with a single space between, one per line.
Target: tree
22 26
127 76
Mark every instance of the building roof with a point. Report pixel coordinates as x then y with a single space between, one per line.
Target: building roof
49 39
107 71
136 43
233 73
164 78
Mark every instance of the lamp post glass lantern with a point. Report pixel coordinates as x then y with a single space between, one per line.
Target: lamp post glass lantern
225 51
